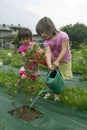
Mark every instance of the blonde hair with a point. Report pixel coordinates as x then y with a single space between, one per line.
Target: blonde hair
47 26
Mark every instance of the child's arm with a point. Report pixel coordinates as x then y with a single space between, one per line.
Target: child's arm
48 58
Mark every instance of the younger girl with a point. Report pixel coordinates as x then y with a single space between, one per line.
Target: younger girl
25 36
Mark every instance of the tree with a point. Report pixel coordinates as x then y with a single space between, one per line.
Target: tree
16 43
77 34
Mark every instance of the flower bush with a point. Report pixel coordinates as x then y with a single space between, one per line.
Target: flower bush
32 84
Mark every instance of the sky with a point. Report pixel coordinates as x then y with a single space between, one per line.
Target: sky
28 12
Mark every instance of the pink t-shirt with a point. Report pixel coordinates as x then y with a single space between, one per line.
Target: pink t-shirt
56 46
23 48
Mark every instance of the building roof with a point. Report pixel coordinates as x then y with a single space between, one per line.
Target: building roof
5 29
10 36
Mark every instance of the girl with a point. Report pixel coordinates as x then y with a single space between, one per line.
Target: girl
57 47
25 36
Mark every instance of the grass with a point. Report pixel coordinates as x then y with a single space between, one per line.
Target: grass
74 96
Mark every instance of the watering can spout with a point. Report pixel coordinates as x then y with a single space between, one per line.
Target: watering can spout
45 91
41 92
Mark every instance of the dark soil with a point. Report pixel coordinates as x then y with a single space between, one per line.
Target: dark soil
26 113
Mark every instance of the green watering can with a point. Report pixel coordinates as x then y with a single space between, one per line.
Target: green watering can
55 81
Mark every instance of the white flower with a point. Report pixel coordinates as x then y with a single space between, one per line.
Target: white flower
9 54
1 63
22 69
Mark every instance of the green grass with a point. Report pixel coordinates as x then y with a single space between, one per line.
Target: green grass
74 96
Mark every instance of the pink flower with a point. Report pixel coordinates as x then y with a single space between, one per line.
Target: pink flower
33 77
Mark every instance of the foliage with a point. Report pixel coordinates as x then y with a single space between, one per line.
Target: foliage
28 85
77 34
83 61
8 78
14 60
17 42
28 59
79 61
76 56
75 96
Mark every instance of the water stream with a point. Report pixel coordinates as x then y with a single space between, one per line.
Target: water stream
36 98
33 102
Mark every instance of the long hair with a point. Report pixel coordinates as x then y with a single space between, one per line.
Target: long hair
46 25
24 33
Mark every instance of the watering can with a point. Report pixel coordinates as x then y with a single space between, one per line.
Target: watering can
55 81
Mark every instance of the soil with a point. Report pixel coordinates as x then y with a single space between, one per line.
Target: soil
26 113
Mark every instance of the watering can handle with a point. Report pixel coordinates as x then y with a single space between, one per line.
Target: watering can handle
57 69
59 72
53 70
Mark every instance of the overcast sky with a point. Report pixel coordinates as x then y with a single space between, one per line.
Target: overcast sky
28 12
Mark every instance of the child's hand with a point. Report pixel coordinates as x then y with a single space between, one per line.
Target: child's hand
51 67
56 64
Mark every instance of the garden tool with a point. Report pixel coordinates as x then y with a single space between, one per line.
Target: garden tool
54 81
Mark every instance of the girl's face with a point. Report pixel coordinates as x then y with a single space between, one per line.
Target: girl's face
25 40
45 36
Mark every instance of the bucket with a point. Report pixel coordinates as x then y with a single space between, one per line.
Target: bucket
54 81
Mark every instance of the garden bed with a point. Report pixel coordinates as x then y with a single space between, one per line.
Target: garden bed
45 114
55 116
26 113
